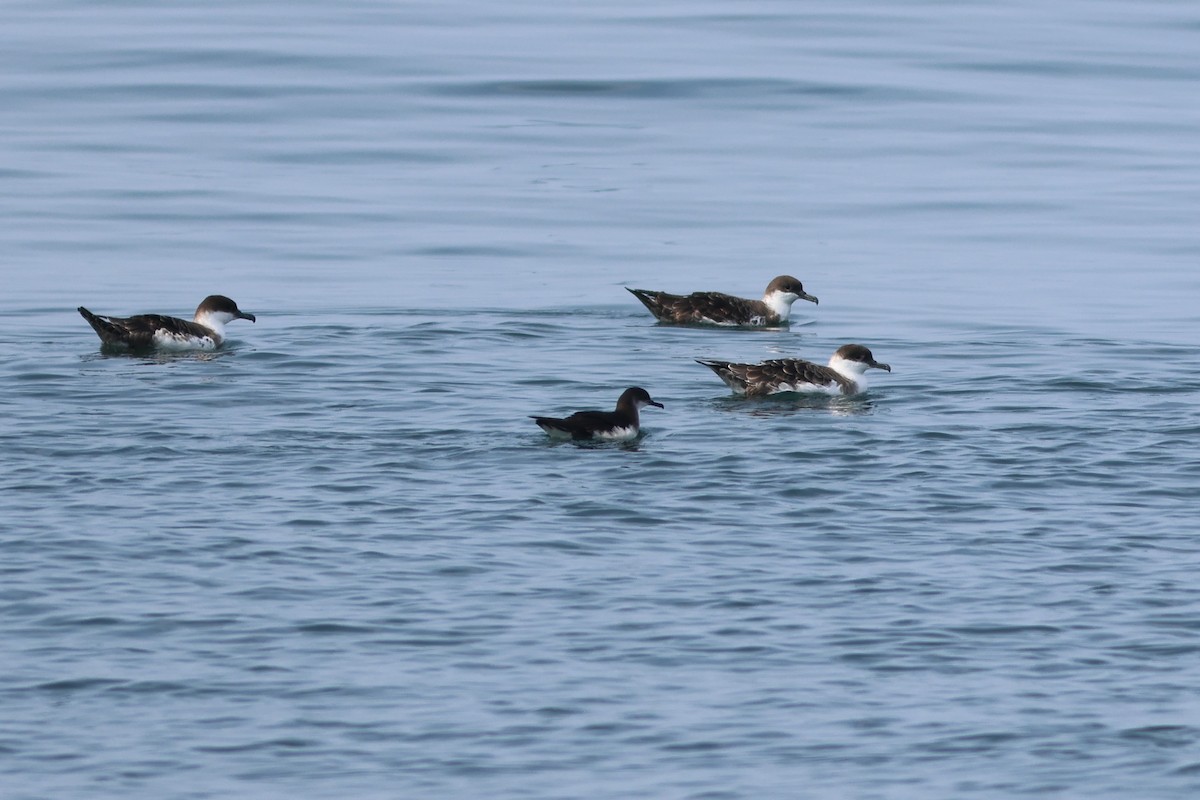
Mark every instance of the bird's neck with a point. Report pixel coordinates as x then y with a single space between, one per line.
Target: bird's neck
853 370
779 303
214 322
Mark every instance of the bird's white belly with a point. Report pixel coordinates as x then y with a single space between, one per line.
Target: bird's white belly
165 340
617 434
724 323
831 388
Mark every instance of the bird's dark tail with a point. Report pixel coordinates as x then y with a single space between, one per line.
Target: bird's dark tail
725 373
557 427
649 299
108 332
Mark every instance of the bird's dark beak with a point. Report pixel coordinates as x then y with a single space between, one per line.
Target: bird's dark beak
244 315
657 404
810 299
877 365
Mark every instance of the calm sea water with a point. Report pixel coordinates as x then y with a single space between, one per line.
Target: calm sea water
338 560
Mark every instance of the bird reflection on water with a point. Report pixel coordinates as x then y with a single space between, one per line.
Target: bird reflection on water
791 403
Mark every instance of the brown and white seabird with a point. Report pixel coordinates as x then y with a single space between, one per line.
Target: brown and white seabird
206 330
715 308
844 375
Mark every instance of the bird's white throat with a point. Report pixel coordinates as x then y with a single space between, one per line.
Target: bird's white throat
780 302
854 370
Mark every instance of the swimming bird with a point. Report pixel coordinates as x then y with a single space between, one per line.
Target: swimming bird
844 375
715 308
619 425
206 331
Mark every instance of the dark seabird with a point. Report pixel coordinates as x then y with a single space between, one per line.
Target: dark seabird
619 425
844 375
206 331
715 308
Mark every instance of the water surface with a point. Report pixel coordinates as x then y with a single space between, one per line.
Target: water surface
338 560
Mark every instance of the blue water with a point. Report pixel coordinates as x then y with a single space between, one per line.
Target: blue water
338 560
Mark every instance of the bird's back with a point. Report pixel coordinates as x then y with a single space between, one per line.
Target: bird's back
705 308
779 375
586 424
145 331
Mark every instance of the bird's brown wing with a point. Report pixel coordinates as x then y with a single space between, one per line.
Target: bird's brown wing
699 308
777 375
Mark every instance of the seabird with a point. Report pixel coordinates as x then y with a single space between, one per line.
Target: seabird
619 425
844 375
715 308
206 331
